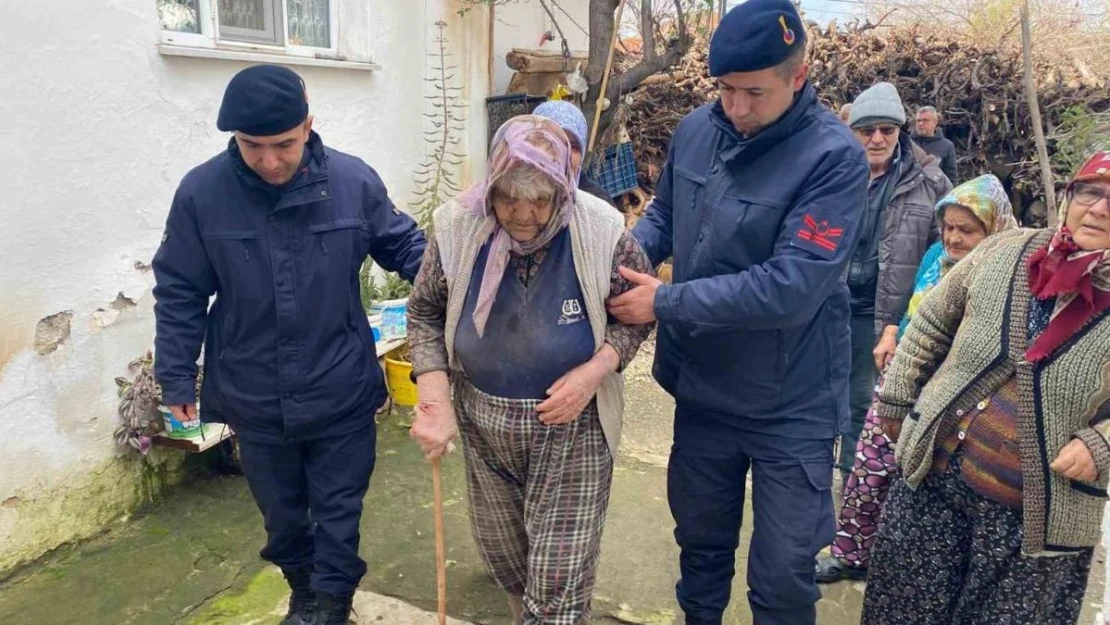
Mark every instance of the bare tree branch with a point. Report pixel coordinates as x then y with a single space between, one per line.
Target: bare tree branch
601 34
1035 114
869 26
676 49
647 29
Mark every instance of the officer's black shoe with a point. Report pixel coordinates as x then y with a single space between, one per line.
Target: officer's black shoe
302 605
830 569
333 609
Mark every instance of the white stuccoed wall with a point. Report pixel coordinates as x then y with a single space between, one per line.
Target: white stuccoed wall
99 128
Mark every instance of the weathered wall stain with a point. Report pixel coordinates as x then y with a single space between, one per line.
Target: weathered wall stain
122 302
52 332
12 341
89 501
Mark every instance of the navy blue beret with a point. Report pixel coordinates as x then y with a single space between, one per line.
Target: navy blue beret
262 101
756 35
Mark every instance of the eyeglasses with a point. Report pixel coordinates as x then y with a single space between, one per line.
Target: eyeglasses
1088 194
866 132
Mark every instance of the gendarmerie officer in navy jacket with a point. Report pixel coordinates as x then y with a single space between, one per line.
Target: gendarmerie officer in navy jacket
759 205
276 227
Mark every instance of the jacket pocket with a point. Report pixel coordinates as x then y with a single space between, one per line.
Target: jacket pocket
336 231
748 225
335 247
237 257
241 239
688 184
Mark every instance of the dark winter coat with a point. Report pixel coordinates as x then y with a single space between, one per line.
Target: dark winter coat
908 229
755 326
943 149
288 352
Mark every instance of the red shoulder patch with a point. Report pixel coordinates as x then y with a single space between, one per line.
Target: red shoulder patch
820 233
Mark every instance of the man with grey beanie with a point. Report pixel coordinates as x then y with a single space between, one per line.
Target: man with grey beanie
895 230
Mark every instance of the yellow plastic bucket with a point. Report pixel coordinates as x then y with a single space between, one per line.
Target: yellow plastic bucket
399 382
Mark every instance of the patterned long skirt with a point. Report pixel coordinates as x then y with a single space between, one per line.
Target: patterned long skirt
948 556
864 494
538 497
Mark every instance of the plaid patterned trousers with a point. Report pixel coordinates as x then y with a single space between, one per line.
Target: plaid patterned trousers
538 496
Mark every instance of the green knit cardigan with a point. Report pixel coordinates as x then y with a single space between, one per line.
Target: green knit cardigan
966 339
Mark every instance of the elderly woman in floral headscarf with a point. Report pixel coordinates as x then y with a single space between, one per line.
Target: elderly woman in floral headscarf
508 310
998 399
969 214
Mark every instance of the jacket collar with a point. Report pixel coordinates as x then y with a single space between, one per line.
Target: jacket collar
313 165
910 166
737 147
301 189
937 135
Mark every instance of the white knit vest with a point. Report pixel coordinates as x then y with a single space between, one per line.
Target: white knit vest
595 230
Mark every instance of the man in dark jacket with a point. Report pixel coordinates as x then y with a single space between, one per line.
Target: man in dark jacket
759 203
931 138
276 228
897 227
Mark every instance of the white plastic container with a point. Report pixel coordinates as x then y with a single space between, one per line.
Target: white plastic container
376 325
394 318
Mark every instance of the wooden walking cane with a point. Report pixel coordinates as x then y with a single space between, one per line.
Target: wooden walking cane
441 551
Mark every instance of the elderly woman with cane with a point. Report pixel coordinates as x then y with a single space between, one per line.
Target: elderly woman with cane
999 400
508 312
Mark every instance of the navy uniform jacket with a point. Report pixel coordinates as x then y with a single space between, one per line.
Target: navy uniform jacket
288 352
755 327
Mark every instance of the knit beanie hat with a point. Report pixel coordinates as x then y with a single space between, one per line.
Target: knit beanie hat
879 103
568 116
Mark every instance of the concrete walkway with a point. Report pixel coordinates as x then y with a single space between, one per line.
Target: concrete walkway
192 559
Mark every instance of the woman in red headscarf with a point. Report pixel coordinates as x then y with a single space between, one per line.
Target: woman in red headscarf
999 398
508 311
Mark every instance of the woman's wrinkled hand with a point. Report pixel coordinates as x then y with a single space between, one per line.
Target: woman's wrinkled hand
891 428
885 348
434 427
570 394
1076 462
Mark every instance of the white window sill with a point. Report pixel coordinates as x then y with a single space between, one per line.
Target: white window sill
253 56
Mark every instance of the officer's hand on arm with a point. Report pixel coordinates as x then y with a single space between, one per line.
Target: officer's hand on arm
637 306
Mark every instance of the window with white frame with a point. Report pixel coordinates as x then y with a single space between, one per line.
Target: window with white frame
289 24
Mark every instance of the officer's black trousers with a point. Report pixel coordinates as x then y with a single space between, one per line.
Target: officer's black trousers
310 495
792 510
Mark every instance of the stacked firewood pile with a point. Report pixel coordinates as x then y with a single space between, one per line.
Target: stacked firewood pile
979 92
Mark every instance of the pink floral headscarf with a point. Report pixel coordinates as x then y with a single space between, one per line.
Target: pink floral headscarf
527 141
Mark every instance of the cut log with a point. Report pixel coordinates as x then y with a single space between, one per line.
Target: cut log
535 61
659 79
535 84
